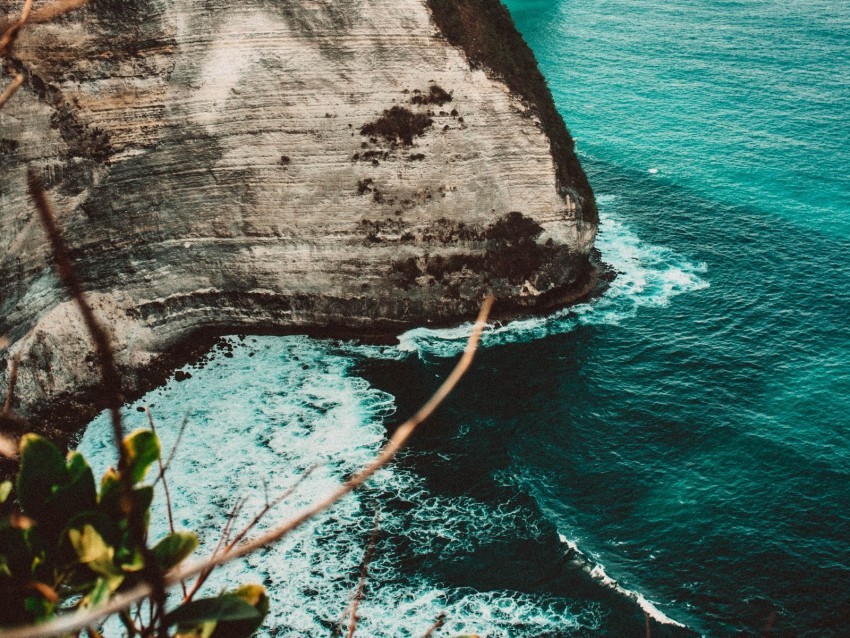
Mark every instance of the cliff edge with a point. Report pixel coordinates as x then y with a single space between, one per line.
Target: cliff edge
356 166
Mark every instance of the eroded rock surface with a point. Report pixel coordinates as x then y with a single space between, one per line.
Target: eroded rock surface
342 164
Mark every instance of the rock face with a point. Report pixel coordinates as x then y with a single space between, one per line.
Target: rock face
349 165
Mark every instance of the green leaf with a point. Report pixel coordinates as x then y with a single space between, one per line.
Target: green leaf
174 549
108 528
110 493
133 561
89 545
254 595
101 591
99 594
5 491
15 552
204 630
77 495
42 468
226 607
142 448
39 608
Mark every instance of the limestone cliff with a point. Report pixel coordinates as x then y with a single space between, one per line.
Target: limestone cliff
356 165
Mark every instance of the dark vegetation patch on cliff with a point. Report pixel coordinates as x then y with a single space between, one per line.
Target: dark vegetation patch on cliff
435 95
512 256
485 30
398 124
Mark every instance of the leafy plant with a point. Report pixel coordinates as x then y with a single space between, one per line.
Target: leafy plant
65 544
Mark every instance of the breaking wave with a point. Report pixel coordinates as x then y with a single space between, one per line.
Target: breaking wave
647 276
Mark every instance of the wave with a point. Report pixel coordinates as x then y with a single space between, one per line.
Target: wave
264 409
261 412
596 571
647 275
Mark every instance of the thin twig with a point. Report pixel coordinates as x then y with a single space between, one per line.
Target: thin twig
110 383
168 507
222 541
13 381
8 446
119 602
364 574
270 505
229 545
162 476
8 37
171 454
441 620
11 89
55 10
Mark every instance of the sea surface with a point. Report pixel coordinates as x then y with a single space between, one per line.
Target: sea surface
679 446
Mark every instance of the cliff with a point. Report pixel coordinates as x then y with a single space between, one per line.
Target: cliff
355 166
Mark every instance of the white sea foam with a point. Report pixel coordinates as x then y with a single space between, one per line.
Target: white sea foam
647 275
598 573
255 424
257 421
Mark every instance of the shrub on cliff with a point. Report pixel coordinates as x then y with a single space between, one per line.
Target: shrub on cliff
398 124
436 95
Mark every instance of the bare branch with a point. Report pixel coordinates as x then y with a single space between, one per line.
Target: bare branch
174 448
110 383
364 573
162 477
44 14
9 36
80 620
8 446
11 89
222 542
387 453
277 501
13 381
55 10
229 545
441 620
169 510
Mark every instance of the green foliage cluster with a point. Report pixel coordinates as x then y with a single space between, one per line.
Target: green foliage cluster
65 544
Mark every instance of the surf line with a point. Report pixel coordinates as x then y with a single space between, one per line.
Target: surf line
597 572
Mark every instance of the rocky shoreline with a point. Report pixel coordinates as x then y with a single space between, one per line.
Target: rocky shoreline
64 418
378 165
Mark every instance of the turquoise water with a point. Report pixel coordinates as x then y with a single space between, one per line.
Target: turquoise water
681 444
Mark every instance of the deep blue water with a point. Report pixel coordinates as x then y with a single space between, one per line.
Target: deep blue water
688 433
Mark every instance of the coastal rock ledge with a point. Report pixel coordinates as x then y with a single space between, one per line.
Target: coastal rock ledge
340 166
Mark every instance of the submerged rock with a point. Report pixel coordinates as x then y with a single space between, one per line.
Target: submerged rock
346 166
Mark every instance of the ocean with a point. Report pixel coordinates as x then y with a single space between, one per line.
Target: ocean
679 446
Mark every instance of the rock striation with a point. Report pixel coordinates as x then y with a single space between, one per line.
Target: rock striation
352 166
